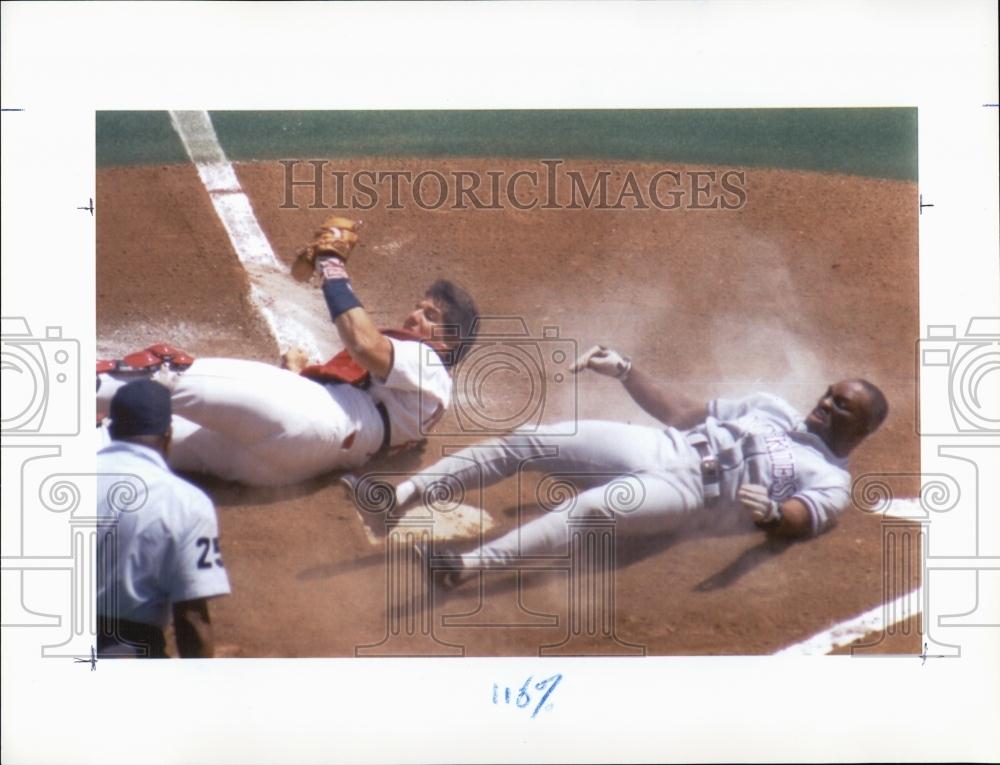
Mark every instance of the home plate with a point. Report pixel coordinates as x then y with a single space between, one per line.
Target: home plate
458 522
448 523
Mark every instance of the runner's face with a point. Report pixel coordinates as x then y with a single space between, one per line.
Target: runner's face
425 316
841 412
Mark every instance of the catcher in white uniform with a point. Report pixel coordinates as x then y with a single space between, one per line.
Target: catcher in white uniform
753 455
263 425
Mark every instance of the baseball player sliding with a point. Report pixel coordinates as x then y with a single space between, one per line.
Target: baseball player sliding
754 454
263 425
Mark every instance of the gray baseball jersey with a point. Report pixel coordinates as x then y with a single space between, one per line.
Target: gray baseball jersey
765 441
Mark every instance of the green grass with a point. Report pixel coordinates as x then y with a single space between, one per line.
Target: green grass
872 142
137 138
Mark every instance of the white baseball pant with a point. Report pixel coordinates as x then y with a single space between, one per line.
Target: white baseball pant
255 423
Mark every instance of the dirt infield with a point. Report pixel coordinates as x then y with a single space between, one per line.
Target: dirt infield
814 279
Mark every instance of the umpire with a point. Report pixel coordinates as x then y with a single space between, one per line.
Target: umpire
160 552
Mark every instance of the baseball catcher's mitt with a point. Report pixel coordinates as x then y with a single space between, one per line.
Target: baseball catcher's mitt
336 237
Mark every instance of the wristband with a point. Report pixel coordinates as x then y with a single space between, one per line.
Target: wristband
623 375
773 519
330 267
339 297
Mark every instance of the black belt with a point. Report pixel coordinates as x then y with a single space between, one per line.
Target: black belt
144 639
386 429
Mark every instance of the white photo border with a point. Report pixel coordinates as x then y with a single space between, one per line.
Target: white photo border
64 61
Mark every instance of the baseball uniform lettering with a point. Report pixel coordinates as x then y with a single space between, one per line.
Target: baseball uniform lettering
782 484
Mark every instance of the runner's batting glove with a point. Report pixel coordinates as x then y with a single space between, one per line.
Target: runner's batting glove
765 512
604 361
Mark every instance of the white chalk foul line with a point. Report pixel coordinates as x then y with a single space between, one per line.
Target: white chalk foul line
845 633
912 509
236 214
875 620
223 187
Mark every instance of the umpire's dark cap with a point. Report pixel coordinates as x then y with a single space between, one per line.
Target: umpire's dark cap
141 408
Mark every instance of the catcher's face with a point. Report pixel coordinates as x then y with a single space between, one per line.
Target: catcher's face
424 318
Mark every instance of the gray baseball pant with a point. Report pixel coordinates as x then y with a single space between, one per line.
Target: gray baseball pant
650 482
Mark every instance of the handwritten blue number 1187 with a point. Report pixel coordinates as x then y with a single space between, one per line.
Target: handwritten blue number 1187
523 698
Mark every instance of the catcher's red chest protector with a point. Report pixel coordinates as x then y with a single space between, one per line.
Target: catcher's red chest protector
343 369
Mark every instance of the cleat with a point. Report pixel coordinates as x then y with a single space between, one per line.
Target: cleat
148 360
454 570
451 580
174 357
349 483
139 361
448 561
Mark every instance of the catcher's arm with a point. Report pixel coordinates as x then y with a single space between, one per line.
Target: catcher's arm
367 346
327 257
